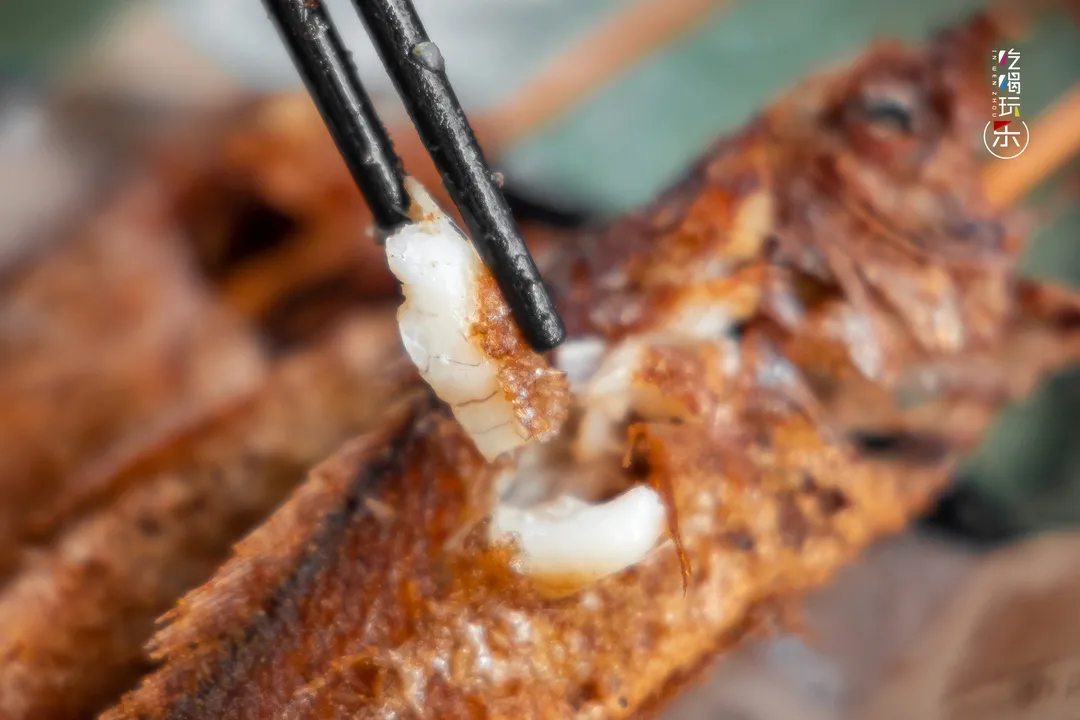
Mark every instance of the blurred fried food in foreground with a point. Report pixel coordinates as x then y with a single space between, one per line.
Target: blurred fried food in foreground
106 342
73 623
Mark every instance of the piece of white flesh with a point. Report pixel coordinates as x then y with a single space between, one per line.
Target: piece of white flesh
580 358
439 272
607 399
570 538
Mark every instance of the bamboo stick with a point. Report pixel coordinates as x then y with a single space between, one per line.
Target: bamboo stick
604 53
1055 138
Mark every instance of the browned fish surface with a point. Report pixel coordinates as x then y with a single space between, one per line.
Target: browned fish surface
344 606
795 319
74 623
106 342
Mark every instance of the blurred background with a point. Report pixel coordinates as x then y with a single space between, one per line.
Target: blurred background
90 91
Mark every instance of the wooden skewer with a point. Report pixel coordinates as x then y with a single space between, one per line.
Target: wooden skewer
1055 138
602 54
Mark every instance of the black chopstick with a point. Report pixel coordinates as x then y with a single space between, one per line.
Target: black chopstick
331 79
415 65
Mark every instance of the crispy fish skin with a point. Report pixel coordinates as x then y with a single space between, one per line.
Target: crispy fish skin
308 621
356 600
74 623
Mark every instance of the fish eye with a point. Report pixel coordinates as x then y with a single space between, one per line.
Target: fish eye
887 109
888 112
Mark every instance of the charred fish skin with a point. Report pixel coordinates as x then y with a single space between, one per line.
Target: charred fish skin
309 622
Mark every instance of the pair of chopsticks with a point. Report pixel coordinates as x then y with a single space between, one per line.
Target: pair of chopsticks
416 67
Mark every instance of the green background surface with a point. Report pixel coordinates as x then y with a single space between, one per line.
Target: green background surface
39 35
